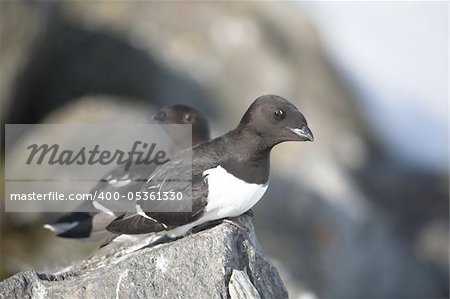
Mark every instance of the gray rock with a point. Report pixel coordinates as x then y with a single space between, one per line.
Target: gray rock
222 262
241 287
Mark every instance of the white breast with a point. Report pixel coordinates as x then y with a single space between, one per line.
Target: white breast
229 196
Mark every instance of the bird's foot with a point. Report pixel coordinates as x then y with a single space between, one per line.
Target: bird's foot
204 226
161 240
157 240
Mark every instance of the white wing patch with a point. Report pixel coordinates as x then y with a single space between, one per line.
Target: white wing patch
102 208
141 213
119 183
61 228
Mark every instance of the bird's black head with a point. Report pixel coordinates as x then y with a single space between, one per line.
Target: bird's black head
275 120
182 114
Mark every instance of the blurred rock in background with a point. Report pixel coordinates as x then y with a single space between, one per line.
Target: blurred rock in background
342 217
48 61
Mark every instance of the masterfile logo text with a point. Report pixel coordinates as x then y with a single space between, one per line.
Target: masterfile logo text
52 154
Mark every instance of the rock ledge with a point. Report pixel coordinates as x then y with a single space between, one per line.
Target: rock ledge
225 261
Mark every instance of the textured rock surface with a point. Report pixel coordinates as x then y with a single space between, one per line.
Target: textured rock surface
346 207
197 266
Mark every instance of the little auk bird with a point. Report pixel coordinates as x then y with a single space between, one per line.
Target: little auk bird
91 225
229 174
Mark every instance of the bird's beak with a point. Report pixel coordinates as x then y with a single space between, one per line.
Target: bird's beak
304 133
160 116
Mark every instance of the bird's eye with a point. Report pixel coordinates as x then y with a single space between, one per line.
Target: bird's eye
278 114
188 118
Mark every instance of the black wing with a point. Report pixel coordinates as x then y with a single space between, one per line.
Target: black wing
180 175
121 182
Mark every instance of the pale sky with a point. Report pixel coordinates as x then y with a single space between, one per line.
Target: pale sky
396 55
